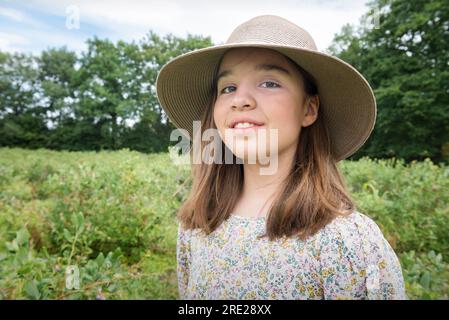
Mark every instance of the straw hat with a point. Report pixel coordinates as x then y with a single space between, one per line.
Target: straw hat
347 102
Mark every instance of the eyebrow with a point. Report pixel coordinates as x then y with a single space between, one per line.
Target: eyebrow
264 66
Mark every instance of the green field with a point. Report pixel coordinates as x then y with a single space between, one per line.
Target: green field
112 214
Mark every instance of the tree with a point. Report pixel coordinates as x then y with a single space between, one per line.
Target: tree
405 59
22 122
57 74
104 99
153 128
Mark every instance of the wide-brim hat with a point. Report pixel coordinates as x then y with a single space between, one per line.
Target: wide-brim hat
347 102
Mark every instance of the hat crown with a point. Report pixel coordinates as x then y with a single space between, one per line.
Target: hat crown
272 29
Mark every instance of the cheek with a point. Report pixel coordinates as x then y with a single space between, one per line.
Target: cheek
219 117
286 117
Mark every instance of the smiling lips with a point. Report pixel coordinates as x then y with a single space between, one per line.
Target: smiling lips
244 122
244 127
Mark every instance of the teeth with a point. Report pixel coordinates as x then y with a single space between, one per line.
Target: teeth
244 125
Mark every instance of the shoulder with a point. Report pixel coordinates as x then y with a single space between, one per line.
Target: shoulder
184 235
355 239
354 226
356 244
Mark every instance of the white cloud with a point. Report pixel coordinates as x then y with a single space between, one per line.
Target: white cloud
12 42
12 14
21 17
34 41
132 19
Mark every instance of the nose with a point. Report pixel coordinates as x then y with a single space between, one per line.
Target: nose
242 99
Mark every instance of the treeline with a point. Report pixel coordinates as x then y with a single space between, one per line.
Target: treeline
106 99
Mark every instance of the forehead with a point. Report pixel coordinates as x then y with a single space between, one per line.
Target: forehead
247 57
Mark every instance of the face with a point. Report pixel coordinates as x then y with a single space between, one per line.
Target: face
262 87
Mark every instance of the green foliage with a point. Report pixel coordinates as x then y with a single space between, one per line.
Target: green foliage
405 59
104 99
22 122
410 202
426 275
109 214
112 215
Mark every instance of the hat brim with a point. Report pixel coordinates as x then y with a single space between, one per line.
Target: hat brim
347 102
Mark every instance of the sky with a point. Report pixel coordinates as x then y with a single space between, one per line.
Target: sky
32 26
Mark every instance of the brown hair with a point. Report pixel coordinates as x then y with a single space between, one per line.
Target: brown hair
314 192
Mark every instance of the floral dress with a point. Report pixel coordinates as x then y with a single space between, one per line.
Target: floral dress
347 259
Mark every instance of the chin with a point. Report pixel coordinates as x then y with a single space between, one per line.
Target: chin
250 155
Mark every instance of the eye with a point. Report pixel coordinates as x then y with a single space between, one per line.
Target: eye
271 84
224 89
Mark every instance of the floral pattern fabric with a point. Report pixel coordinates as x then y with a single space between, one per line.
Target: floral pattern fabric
347 259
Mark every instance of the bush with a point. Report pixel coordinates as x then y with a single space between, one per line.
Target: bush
112 215
409 202
107 213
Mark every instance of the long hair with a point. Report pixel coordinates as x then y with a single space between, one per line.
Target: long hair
313 194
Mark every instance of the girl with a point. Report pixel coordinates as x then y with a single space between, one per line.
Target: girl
295 234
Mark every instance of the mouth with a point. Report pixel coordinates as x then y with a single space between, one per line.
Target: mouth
244 123
242 128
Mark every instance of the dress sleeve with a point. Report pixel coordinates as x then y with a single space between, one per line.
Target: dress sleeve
183 260
384 279
357 262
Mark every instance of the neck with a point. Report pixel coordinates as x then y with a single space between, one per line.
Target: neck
261 187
